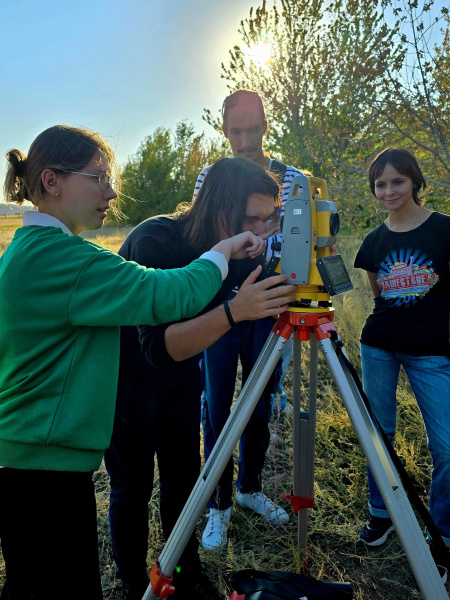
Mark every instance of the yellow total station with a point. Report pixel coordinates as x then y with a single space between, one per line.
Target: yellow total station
310 228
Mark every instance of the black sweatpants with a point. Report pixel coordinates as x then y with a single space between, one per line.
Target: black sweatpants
48 533
145 427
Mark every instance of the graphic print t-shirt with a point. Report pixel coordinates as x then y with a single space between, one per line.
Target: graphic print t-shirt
411 314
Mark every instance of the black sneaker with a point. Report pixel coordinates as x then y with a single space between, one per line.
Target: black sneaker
189 586
375 531
442 560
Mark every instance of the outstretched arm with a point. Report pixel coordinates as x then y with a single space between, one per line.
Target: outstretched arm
253 301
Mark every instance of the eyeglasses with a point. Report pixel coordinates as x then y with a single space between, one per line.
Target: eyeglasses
104 180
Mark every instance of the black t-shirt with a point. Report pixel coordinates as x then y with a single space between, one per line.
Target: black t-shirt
158 243
411 315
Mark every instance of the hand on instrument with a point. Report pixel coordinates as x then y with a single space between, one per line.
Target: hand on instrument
256 300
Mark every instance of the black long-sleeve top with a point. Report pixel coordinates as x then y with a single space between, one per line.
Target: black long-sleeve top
158 243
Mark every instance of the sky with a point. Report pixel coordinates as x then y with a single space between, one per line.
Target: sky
120 67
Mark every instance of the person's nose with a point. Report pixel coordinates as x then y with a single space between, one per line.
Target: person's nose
110 193
258 228
244 140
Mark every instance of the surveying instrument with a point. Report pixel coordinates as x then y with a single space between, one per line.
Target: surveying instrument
310 227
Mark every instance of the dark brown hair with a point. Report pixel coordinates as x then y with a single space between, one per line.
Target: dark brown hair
60 148
404 162
221 202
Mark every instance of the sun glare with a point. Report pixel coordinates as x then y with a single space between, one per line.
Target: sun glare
259 54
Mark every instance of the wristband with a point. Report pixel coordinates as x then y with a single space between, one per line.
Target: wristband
228 313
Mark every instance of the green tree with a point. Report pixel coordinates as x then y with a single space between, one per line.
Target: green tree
313 122
288 85
163 172
346 79
404 85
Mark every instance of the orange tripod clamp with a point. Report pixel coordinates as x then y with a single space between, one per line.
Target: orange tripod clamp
298 502
304 324
161 585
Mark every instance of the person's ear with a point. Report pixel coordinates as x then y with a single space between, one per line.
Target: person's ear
264 126
51 182
224 131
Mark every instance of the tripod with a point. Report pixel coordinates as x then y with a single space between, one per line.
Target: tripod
318 327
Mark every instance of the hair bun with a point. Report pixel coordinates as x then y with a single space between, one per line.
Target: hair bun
16 189
17 160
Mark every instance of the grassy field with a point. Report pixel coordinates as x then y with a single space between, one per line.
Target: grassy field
340 482
109 237
8 226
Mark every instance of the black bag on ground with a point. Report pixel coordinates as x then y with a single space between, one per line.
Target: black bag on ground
279 585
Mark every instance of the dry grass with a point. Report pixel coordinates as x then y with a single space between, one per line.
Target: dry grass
8 226
340 483
110 237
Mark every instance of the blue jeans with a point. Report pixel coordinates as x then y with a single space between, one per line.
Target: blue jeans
220 360
429 377
279 397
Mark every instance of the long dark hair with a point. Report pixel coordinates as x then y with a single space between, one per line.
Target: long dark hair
221 202
404 162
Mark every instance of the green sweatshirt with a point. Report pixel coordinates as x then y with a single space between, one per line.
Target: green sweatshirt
62 300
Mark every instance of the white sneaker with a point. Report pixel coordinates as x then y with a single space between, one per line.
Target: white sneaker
262 505
215 534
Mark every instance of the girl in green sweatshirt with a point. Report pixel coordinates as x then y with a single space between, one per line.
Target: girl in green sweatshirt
62 300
